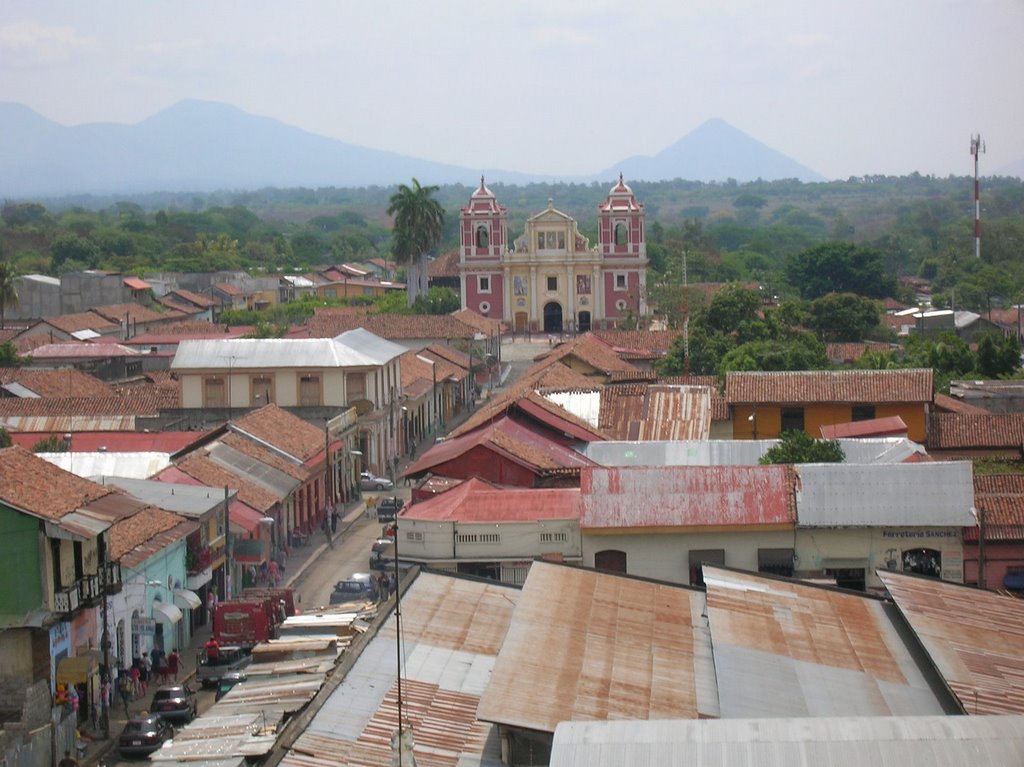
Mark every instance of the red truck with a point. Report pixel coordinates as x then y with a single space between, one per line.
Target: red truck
251 618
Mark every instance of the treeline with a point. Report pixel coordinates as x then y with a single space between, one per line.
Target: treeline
917 225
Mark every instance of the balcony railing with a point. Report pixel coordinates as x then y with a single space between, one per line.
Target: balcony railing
66 601
113 577
88 588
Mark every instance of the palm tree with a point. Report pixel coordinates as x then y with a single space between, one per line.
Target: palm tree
418 222
8 291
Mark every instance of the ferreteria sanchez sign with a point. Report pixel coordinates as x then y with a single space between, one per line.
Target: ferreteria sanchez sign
944 533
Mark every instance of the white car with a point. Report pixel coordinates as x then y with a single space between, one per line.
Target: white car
368 481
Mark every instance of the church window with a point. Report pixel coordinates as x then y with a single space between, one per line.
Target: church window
483 284
552 283
621 233
561 240
620 281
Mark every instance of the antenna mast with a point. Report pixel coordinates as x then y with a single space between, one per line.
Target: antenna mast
686 322
977 148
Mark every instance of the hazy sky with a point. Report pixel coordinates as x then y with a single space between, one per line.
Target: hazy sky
559 87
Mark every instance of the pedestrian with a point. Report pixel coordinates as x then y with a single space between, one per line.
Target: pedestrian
273 573
105 694
136 675
212 649
334 520
156 657
68 760
145 672
172 664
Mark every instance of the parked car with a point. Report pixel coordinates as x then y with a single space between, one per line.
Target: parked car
388 508
142 735
229 659
227 682
174 702
368 481
357 587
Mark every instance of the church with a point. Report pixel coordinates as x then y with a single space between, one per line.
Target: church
550 279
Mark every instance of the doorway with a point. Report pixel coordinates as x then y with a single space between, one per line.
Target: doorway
553 317
522 322
584 321
611 560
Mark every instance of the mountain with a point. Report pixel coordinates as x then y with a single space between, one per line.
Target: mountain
715 151
194 146
1015 169
203 146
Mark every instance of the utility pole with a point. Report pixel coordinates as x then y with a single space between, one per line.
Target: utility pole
686 321
977 148
981 548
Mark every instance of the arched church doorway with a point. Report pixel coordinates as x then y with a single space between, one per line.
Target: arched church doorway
553 317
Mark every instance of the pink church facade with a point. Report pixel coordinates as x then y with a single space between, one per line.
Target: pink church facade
550 279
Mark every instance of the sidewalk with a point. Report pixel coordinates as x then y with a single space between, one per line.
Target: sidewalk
100 751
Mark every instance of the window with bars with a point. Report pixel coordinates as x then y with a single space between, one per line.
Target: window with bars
553 537
414 537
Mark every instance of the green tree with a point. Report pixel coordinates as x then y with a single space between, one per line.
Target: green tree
8 290
801 447
51 444
997 355
9 356
69 248
437 301
802 352
839 267
419 222
5 438
843 317
729 308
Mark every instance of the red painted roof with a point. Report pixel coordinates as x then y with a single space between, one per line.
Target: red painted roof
893 426
117 441
136 284
476 501
686 496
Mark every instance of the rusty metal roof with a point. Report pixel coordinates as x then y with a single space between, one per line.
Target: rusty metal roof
476 501
452 628
686 496
783 648
974 637
589 645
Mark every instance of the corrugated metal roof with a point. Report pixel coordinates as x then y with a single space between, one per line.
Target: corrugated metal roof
585 405
685 496
921 741
735 452
820 652
938 494
452 628
188 500
476 501
267 477
355 348
96 465
590 645
974 637
59 424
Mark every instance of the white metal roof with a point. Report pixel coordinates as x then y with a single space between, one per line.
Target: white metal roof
353 349
188 500
736 452
921 741
585 405
935 494
91 465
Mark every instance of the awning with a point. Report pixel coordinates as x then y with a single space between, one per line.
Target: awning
187 600
251 552
78 669
244 516
163 611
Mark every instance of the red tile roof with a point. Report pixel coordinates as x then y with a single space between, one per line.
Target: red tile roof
113 405
134 313
445 265
509 440
283 430
970 430
75 350
824 386
850 352
40 488
1001 497
134 531
485 325
207 472
328 323
593 352
639 344
476 501
66 382
204 302
72 323
228 289
687 496
945 403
